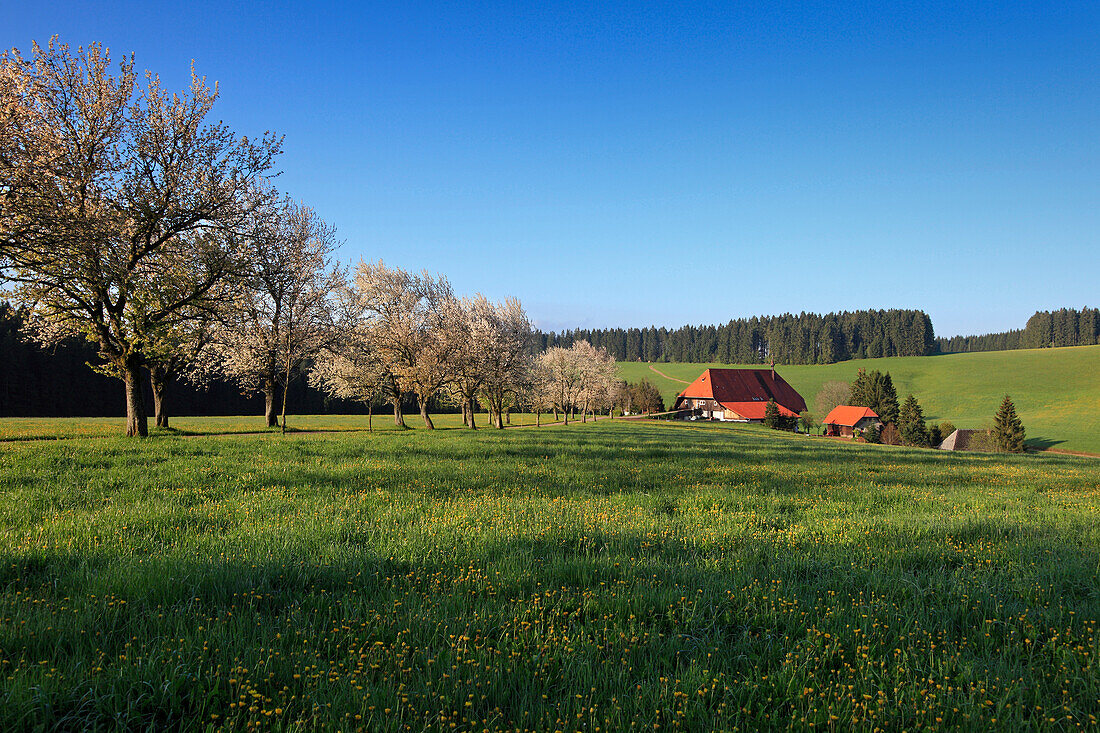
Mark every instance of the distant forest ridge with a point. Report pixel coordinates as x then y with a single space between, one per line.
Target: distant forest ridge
1045 329
811 338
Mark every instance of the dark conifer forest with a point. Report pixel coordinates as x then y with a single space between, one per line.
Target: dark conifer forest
806 338
57 381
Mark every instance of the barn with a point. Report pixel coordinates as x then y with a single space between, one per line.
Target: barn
739 395
844 420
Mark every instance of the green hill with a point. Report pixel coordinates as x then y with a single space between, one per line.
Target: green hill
1056 391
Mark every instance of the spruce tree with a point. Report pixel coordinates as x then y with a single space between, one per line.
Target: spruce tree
887 407
861 390
1008 431
911 423
772 418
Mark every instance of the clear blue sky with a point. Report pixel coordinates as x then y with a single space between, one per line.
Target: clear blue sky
665 165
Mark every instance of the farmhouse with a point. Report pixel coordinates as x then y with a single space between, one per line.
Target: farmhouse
845 420
737 394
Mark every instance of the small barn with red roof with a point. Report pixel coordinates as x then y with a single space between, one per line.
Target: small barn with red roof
844 420
738 394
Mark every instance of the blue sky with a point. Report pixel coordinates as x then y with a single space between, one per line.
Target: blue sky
663 164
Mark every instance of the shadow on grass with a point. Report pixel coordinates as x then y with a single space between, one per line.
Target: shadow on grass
1041 443
139 640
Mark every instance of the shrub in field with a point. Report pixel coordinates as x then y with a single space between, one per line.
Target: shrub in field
982 441
806 420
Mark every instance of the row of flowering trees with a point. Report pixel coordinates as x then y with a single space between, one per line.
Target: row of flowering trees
128 219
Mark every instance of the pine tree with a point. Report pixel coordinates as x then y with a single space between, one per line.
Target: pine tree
861 390
1008 431
887 407
911 423
772 418
875 390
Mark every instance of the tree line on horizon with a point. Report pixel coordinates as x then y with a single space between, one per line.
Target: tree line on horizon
806 338
1045 329
810 338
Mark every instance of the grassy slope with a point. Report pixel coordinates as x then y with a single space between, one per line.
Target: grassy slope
1056 391
600 576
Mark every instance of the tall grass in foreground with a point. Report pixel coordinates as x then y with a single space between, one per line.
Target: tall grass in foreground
590 578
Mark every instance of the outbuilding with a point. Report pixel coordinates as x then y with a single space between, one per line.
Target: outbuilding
971 440
845 420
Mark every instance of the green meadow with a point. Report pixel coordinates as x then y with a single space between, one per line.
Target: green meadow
60 428
1056 391
609 576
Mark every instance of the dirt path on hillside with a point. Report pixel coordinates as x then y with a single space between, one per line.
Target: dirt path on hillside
673 379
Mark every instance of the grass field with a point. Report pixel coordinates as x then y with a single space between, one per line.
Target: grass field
1056 391
597 577
54 428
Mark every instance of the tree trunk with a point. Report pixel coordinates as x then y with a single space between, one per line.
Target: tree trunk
507 416
158 379
370 417
584 412
498 422
424 414
286 386
137 424
538 419
269 403
472 423
555 413
398 418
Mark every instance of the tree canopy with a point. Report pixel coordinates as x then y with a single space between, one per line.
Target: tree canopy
119 202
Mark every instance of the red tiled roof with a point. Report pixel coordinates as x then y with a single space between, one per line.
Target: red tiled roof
848 415
754 410
745 387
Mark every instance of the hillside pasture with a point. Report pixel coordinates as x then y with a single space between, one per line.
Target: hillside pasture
1056 391
613 575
